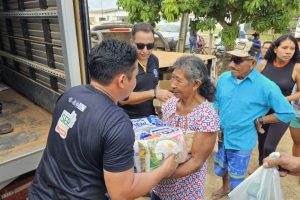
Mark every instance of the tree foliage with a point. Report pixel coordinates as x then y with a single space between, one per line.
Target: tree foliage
262 14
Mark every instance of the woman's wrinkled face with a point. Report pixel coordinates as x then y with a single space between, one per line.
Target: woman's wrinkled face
285 51
181 87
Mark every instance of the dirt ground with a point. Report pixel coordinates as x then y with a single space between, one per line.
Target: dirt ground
290 184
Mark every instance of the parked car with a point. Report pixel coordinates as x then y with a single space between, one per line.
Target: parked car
242 42
121 31
170 31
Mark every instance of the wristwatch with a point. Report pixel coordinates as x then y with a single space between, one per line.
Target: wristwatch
260 120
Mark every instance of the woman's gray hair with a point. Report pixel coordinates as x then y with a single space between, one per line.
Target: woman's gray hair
195 69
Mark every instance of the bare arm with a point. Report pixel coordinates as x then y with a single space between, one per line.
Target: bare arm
296 78
270 119
203 144
267 119
140 97
128 185
261 66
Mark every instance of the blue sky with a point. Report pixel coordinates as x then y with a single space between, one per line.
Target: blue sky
105 4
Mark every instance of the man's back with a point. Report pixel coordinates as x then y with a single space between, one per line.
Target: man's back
89 133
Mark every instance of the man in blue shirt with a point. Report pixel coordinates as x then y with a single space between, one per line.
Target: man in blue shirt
244 96
255 40
266 45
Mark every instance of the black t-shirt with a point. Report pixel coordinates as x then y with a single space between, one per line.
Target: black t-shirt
276 74
89 133
145 81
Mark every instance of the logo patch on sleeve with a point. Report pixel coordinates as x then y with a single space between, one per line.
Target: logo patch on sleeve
66 121
155 72
80 106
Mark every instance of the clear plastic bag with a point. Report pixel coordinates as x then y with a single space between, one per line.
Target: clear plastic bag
263 184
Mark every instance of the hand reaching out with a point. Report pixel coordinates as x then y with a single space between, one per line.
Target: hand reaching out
287 164
169 165
163 95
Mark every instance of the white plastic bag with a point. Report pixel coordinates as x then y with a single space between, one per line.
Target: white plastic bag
263 184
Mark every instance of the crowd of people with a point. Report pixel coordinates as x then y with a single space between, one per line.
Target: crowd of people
89 151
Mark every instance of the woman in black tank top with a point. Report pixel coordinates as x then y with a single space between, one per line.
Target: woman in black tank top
281 64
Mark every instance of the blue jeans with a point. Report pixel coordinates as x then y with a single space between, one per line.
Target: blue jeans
193 43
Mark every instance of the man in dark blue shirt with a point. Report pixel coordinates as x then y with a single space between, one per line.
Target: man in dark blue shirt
140 102
90 145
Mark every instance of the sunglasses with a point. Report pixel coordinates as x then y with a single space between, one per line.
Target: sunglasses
141 46
237 60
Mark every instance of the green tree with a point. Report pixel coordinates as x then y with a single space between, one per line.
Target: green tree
262 14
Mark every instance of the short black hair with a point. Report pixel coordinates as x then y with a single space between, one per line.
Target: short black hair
270 54
111 58
255 35
142 26
266 42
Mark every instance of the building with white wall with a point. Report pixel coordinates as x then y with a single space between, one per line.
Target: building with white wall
113 14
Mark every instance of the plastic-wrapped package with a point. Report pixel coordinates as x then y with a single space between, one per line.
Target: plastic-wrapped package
151 151
143 132
154 120
151 120
138 123
263 184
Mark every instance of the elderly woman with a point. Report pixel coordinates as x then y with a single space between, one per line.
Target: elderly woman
192 110
281 64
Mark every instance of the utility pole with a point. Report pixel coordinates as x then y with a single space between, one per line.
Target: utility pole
182 33
210 42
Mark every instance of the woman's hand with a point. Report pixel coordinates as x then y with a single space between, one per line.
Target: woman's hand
163 95
203 145
258 126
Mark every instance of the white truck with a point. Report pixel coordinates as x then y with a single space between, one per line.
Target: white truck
44 46
43 51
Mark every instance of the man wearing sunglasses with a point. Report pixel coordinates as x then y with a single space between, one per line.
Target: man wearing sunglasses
243 98
140 102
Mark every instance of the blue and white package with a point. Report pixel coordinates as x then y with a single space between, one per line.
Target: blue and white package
163 130
138 123
151 120
154 120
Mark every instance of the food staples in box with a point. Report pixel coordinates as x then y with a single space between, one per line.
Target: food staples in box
154 120
152 150
163 130
151 120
